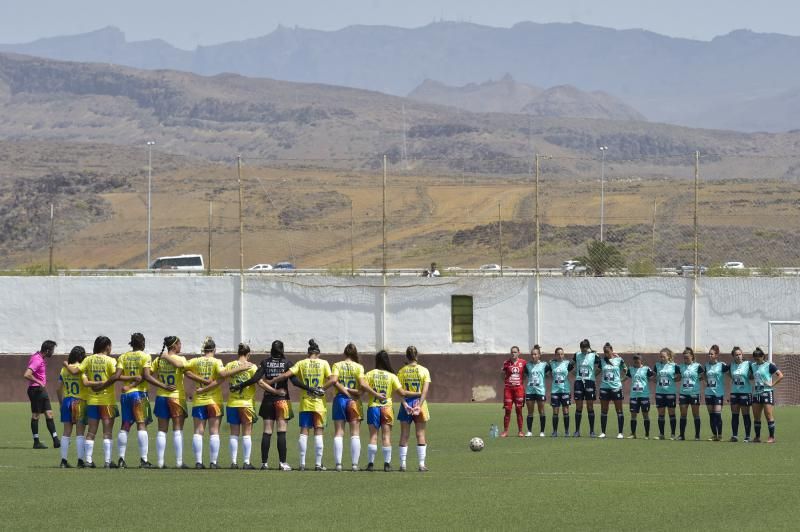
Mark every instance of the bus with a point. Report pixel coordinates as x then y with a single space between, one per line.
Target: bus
179 262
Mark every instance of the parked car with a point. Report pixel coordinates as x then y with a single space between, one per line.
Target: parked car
261 267
490 267
733 265
284 266
572 267
179 262
688 269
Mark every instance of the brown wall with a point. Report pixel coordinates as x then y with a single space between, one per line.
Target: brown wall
455 378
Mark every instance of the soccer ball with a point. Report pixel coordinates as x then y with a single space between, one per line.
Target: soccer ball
476 444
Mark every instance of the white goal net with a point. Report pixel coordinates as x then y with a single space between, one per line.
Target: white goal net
783 350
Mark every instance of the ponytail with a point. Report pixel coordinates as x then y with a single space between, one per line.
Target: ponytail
244 350
313 348
411 353
351 352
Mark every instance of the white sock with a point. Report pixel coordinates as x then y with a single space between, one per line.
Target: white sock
302 445
372 450
88 449
247 443
122 443
197 447
107 445
161 446
338 449
355 449
403 454
213 444
319 446
422 450
80 446
177 443
64 447
144 444
387 454
233 443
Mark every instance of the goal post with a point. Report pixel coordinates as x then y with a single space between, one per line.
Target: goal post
772 345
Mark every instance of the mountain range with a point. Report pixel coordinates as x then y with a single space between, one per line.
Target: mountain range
743 80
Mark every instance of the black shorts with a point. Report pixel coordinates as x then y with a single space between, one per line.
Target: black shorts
534 397
276 409
689 400
713 400
764 398
742 399
640 404
40 402
560 399
664 400
585 390
611 395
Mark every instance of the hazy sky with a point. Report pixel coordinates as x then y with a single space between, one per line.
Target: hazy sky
187 23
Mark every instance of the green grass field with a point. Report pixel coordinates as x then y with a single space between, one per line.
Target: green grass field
518 483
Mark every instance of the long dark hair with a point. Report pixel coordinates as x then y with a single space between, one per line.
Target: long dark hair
411 353
244 350
77 354
382 361
350 352
313 348
137 341
276 350
169 341
101 343
585 344
209 345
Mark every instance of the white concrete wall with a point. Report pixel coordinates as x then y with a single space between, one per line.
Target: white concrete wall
634 314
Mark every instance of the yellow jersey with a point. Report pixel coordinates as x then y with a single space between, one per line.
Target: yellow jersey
171 376
208 368
412 378
348 373
245 396
132 364
72 385
382 382
312 372
98 368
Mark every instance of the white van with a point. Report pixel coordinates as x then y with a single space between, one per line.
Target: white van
179 262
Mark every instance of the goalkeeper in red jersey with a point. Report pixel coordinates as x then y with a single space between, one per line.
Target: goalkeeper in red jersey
514 390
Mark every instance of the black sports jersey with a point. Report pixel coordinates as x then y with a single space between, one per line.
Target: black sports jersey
268 369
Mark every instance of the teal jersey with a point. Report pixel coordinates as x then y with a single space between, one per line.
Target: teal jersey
762 376
640 381
690 378
715 379
560 369
585 364
612 370
740 377
534 384
665 378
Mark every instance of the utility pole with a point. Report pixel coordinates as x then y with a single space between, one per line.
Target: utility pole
653 249
500 235
603 150
210 214
241 215
150 144
536 214
383 219
696 248
352 230
52 212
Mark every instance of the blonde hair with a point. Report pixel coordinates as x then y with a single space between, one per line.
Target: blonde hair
667 351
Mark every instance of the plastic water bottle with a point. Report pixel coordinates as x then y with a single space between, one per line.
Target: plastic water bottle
493 431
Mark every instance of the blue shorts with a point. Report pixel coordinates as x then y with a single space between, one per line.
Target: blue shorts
312 420
764 398
135 408
585 390
640 404
742 399
665 400
380 415
714 400
240 414
207 411
73 410
607 394
404 417
169 408
689 400
102 412
346 409
560 399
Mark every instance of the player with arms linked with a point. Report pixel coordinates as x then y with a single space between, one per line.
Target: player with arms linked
614 372
668 374
691 374
345 377
766 376
714 376
741 399
560 368
513 390
535 372
587 366
72 396
640 376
